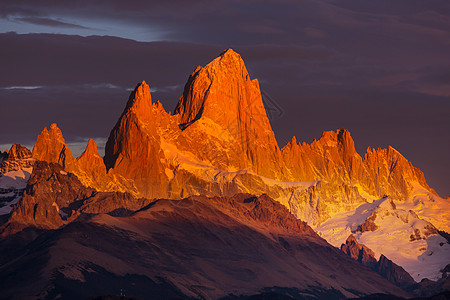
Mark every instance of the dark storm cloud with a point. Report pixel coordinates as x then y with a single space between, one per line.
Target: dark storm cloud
247 22
58 60
69 79
379 68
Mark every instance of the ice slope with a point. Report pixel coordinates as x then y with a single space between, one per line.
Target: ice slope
429 207
399 234
12 185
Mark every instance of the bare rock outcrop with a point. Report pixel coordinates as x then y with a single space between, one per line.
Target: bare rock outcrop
333 158
222 101
134 149
91 168
394 273
384 266
16 158
54 198
219 141
51 147
359 252
47 199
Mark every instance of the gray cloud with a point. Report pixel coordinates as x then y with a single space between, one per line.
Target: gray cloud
21 87
49 22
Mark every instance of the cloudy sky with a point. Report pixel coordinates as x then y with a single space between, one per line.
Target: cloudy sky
380 68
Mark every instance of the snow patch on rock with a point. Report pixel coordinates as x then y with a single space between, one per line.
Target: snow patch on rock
400 235
12 185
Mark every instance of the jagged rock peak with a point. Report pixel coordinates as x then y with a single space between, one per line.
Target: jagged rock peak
294 140
18 152
16 158
51 147
341 135
140 101
292 146
351 240
90 168
388 151
91 146
54 133
340 138
394 273
91 149
47 198
54 126
133 148
229 53
222 101
399 171
226 57
221 91
358 251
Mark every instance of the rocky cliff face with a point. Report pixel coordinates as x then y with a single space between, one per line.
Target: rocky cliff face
17 152
16 165
17 158
134 149
47 198
394 273
384 266
348 180
333 158
223 104
148 145
51 147
90 167
390 173
359 252
219 142
54 197
199 247
388 229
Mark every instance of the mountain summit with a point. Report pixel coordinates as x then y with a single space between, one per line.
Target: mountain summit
223 92
219 124
219 142
227 105
51 146
133 150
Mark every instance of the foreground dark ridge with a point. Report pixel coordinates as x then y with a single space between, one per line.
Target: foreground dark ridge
196 247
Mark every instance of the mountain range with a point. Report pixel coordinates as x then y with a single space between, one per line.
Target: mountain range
202 202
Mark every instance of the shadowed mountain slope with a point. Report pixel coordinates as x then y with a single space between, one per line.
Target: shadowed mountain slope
196 247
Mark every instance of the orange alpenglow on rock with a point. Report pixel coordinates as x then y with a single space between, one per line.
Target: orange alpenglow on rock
91 164
18 152
333 158
133 149
49 190
221 97
219 142
51 147
15 159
